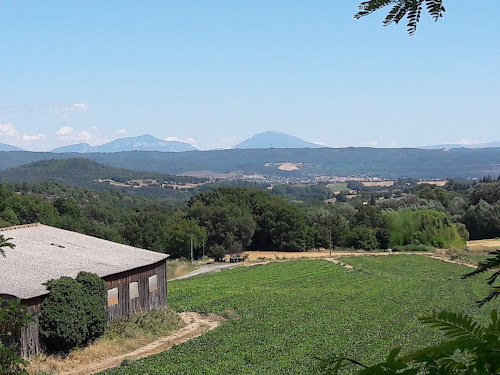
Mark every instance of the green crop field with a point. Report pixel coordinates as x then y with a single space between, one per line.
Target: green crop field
284 315
339 186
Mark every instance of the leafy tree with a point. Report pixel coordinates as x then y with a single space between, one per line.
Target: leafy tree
483 220
361 238
411 9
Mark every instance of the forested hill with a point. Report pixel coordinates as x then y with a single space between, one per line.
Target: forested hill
84 172
387 163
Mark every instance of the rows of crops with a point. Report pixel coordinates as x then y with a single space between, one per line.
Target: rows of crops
286 314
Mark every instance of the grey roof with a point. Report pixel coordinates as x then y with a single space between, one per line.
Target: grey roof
43 253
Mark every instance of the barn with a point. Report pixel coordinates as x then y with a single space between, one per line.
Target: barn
136 279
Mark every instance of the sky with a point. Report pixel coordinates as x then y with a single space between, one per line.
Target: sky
215 72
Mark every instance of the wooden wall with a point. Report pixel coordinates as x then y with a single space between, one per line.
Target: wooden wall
30 343
146 301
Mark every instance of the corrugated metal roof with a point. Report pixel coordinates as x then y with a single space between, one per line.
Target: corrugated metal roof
43 253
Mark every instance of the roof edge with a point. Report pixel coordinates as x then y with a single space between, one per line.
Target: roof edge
20 226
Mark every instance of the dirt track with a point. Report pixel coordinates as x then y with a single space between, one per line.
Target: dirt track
196 325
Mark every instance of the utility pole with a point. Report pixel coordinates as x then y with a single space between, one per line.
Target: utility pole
192 253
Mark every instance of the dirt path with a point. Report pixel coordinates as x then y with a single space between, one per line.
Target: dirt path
205 269
196 325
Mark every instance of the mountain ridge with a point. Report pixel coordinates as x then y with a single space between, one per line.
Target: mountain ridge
7 147
144 142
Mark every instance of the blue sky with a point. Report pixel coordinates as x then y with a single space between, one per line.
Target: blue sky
215 72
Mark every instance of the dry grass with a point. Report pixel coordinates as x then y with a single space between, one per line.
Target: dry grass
484 245
378 183
121 337
255 256
433 182
176 268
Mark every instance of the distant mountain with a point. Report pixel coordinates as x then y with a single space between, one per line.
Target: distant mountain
273 139
458 145
80 147
6 147
141 143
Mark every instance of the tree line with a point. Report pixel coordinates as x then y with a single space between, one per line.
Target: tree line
234 219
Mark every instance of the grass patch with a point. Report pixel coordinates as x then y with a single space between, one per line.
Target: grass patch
290 313
339 186
122 336
414 247
180 267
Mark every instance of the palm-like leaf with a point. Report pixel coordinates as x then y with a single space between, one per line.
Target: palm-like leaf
412 9
4 242
489 264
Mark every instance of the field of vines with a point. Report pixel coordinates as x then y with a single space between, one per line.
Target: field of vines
282 316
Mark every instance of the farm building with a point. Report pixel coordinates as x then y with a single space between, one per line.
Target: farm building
136 279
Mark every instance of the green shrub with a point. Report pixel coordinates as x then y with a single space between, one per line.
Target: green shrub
217 252
94 290
74 312
13 316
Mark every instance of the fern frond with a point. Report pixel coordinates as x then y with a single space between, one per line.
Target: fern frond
432 354
435 8
494 293
412 9
486 265
454 325
368 7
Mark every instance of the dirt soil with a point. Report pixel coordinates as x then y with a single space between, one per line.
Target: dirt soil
196 325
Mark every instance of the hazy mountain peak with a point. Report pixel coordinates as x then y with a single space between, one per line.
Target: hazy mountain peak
274 139
6 147
79 147
144 142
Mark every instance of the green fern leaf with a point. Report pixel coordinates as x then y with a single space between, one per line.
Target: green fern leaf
454 325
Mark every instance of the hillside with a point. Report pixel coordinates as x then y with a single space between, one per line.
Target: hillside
141 143
386 163
81 172
272 139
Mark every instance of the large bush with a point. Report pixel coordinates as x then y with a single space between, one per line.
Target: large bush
74 312
425 227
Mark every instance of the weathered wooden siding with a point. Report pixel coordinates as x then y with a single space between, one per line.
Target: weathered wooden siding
146 301
30 342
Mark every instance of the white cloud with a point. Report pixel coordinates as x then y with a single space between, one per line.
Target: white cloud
79 107
65 131
121 132
191 141
84 135
34 137
321 143
7 130
467 142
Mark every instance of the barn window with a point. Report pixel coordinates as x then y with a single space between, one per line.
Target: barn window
133 290
112 296
153 283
